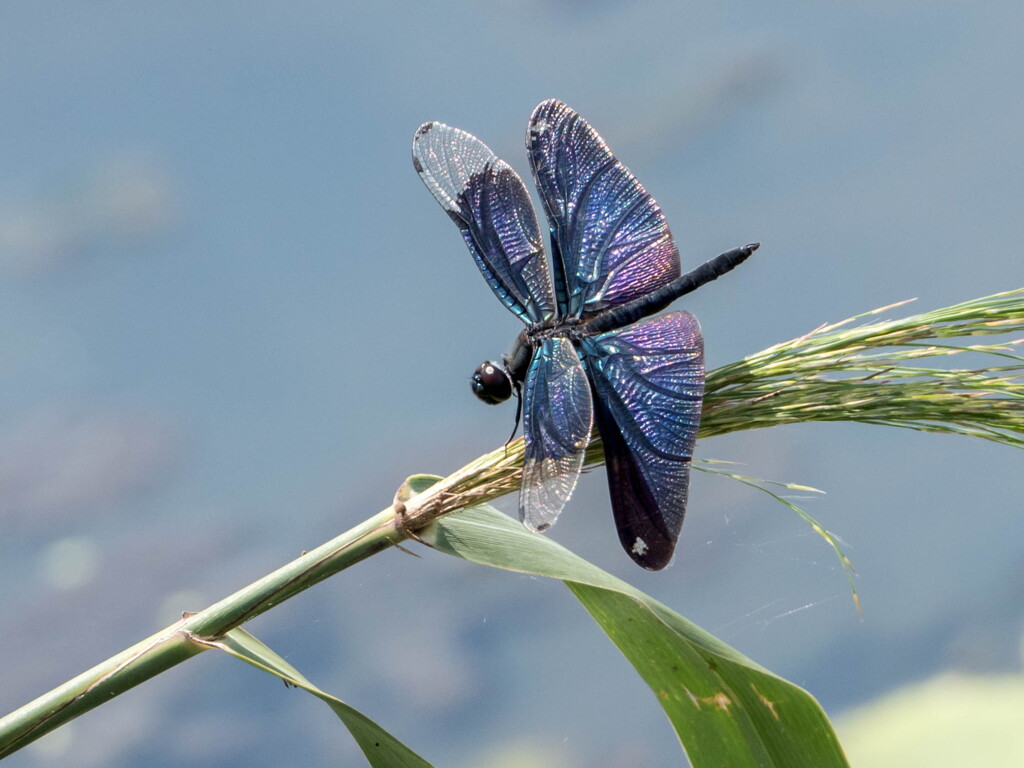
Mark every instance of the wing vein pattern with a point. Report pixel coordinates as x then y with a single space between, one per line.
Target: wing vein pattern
557 420
648 381
612 237
492 209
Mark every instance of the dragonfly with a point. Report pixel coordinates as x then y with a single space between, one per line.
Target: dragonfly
594 350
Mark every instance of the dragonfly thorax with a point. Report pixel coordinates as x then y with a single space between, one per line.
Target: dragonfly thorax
570 328
491 382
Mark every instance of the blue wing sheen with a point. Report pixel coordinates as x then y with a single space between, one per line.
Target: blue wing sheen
489 203
611 241
558 418
648 380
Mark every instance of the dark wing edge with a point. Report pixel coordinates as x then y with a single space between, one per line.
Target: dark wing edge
558 418
610 241
491 207
648 382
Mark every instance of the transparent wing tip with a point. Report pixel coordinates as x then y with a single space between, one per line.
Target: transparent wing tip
547 486
536 528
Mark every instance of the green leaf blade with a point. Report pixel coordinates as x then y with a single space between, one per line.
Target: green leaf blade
726 709
382 750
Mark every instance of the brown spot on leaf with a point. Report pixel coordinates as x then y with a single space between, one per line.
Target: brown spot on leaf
719 700
768 703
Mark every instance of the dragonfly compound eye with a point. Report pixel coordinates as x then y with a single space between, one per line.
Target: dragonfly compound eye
491 383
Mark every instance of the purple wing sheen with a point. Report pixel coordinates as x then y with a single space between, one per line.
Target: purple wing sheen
557 419
648 380
489 203
611 241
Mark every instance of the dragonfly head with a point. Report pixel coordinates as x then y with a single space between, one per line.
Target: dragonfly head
491 383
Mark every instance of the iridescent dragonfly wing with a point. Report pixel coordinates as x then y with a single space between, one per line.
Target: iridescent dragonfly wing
648 382
491 207
557 420
610 241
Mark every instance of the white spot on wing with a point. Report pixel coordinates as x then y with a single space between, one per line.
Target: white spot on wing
639 547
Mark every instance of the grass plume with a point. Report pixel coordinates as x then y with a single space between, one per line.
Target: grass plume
878 373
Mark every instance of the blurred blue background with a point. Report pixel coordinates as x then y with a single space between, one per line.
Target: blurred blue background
234 321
